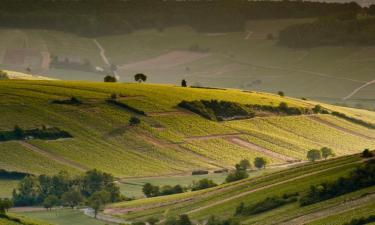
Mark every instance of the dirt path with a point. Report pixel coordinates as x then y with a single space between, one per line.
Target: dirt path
51 156
104 57
334 126
358 89
265 187
343 207
212 136
106 218
246 144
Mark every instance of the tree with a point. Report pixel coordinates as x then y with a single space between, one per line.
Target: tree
3 75
134 121
72 198
140 77
50 202
281 93
317 109
184 220
19 133
5 204
326 152
245 164
150 190
238 174
110 78
367 153
98 200
260 162
313 155
183 83
203 184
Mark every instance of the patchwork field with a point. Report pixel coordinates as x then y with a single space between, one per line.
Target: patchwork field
246 60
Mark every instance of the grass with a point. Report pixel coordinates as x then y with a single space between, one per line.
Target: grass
7 186
64 217
334 168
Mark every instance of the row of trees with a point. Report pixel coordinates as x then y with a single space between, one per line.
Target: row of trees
315 154
93 188
139 77
106 17
45 133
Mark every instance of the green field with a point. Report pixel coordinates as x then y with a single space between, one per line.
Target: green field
221 201
238 60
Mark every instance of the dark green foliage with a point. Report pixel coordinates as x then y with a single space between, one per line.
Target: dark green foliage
121 17
362 221
330 31
110 78
212 220
3 75
140 77
260 162
313 155
183 83
238 174
18 133
50 201
203 184
125 106
184 220
361 177
134 121
367 153
98 199
5 204
244 164
70 191
266 204
199 172
12 174
218 110
326 152
281 93
72 101
152 191
354 120
283 108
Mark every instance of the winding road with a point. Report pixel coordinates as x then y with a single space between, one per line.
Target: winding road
358 89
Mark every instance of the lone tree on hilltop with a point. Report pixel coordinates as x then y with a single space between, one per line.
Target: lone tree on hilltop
110 78
326 152
281 93
140 77
260 162
314 155
367 153
183 83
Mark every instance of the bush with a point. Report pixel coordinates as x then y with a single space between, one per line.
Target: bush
218 110
362 221
72 101
367 153
134 121
3 75
125 106
203 184
110 78
199 172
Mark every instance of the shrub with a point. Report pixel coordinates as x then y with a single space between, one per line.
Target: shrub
362 221
203 184
199 172
281 93
134 121
3 75
367 153
125 106
313 155
260 162
110 78
72 101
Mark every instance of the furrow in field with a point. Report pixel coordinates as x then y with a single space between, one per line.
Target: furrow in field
245 144
58 159
207 137
334 126
346 206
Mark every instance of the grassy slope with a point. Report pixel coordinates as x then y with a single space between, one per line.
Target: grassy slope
325 73
213 201
162 144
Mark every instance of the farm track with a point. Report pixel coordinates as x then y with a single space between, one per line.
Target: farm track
115 211
343 207
267 186
251 146
358 89
334 126
51 156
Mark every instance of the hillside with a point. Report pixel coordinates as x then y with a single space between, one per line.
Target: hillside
223 201
248 60
169 139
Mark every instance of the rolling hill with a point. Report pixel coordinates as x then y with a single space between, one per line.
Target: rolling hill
246 60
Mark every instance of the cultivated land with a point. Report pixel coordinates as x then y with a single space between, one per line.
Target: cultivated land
246 60
221 201
173 141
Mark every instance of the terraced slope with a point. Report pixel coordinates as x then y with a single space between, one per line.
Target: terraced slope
222 201
169 140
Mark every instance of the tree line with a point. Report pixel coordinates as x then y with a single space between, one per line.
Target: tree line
108 17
